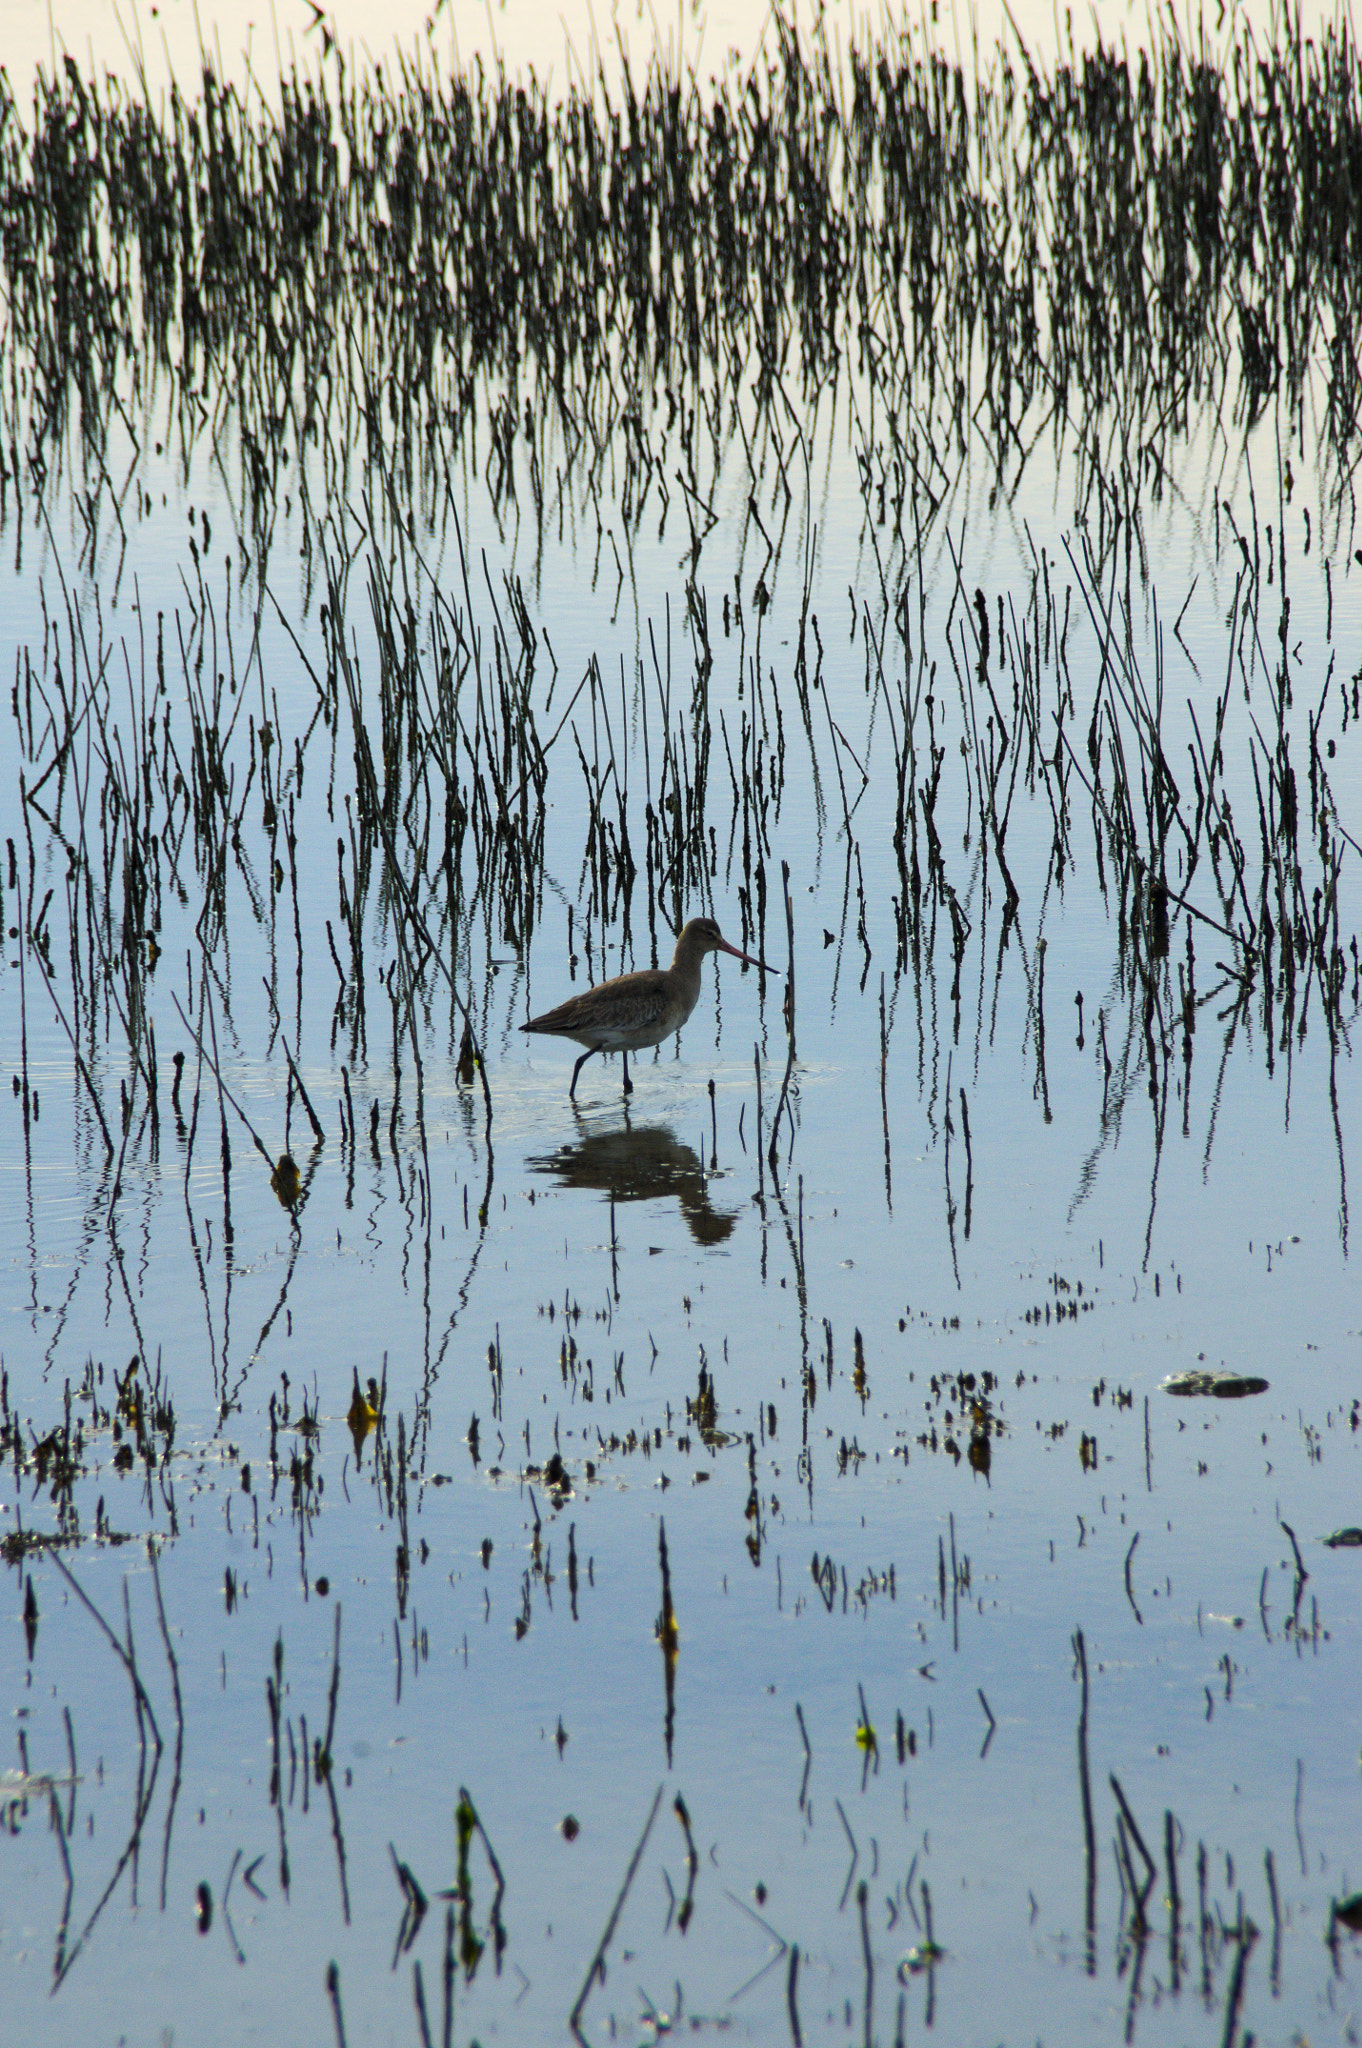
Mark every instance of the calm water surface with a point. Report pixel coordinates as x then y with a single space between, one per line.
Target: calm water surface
883 1413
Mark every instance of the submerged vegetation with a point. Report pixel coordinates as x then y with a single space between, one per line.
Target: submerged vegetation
315 414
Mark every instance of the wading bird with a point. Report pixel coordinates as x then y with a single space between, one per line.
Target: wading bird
638 1010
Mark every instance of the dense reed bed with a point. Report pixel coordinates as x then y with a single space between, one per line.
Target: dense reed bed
398 258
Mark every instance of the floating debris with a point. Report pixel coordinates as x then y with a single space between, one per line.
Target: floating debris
1225 1386
362 1415
925 1956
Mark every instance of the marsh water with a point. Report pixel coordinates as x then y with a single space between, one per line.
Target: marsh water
857 1539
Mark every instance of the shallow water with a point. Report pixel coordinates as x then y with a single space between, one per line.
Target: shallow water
876 1390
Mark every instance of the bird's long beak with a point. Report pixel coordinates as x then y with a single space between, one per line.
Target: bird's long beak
746 958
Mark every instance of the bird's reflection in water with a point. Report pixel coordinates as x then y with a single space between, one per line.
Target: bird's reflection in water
640 1164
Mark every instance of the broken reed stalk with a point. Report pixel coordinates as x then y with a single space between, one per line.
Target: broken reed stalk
324 1761
318 1133
575 2016
334 1998
126 1657
23 1016
884 1092
1085 1791
211 1059
789 1018
173 1662
87 1080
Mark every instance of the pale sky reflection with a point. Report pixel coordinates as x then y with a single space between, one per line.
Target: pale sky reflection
562 44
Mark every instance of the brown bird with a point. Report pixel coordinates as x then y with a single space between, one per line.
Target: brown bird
638 1010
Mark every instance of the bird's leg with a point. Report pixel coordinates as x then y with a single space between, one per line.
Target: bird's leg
628 1084
572 1091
